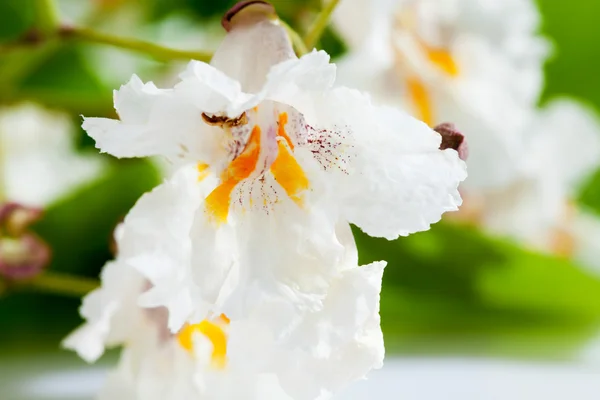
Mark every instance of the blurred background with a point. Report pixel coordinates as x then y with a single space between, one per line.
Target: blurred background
466 315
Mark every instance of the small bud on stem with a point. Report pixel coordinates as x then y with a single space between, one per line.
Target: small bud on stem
452 138
245 12
23 255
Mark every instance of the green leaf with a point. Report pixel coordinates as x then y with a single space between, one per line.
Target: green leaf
16 17
452 287
573 29
64 79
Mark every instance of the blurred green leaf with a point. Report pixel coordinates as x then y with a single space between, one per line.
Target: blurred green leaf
456 287
66 80
573 28
16 17
590 194
332 43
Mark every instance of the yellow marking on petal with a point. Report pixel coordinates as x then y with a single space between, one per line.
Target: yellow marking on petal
223 318
202 171
288 173
443 59
214 333
421 99
218 201
283 120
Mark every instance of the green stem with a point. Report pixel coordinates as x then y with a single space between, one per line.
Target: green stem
47 18
140 46
295 38
63 284
316 30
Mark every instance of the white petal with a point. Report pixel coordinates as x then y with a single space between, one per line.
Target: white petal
565 142
342 342
248 52
311 72
152 122
394 180
110 312
39 162
156 242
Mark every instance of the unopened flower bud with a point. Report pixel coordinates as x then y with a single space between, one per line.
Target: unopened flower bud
247 12
23 258
452 138
15 218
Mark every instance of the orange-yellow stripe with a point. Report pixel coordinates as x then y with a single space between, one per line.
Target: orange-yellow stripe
421 99
288 173
214 333
218 201
443 59
283 120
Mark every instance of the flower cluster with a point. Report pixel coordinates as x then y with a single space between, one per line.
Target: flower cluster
479 64
238 277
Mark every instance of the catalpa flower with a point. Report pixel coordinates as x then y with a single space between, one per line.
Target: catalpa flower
477 63
226 359
538 207
273 163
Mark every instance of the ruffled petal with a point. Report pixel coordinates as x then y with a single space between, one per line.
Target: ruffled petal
110 312
152 122
343 342
156 242
386 168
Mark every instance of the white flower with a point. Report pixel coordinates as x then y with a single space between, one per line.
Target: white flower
476 63
273 164
38 164
221 359
563 148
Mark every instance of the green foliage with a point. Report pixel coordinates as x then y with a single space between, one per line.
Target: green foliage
590 194
16 17
452 287
65 79
573 27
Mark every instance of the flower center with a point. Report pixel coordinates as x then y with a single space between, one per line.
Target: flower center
266 167
214 331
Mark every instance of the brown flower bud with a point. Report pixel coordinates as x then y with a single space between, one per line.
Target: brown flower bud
16 218
23 258
452 138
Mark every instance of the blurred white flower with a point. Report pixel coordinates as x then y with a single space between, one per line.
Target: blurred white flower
273 164
563 148
222 359
476 63
38 163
